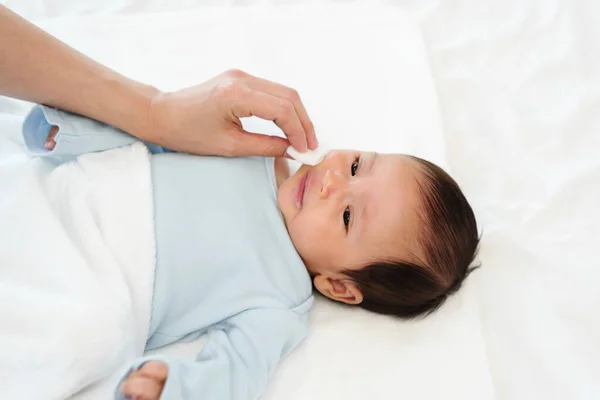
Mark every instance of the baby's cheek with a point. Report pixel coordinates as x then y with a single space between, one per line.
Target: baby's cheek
312 236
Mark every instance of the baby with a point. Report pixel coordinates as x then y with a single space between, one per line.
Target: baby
240 244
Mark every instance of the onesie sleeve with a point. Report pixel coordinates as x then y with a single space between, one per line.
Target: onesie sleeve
238 359
76 135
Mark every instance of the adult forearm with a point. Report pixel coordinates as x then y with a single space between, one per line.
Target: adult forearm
36 67
201 119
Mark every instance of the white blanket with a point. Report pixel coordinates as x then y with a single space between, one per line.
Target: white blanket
77 267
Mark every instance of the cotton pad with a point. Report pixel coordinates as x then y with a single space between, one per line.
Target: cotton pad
309 157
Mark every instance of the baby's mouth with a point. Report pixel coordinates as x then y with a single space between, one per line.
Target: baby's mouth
301 191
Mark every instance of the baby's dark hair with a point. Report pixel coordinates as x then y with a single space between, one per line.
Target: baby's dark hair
449 240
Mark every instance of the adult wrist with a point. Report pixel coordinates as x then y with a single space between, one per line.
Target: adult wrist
136 114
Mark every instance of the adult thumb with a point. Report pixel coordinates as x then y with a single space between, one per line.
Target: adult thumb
256 144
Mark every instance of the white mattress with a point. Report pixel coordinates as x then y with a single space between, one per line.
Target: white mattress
503 93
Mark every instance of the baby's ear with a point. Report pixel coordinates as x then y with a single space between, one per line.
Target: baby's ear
343 290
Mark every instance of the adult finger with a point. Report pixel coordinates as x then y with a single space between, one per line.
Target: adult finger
291 95
143 387
254 144
281 111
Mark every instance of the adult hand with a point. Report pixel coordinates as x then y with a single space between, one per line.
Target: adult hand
205 119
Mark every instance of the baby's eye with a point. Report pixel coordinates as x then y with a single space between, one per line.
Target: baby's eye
346 217
354 167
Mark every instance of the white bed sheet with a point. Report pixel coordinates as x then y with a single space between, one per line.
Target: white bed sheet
517 85
519 91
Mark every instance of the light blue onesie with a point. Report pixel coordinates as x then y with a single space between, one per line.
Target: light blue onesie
225 263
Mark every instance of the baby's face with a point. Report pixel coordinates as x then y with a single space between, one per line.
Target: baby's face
352 209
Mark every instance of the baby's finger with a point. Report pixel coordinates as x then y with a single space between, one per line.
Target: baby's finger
135 374
155 370
142 387
50 142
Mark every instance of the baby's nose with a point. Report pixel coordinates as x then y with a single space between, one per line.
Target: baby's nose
332 181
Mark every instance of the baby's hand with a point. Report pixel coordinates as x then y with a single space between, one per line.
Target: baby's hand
147 382
50 142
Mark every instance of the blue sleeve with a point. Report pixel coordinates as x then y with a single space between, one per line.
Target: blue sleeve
238 359
76 135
